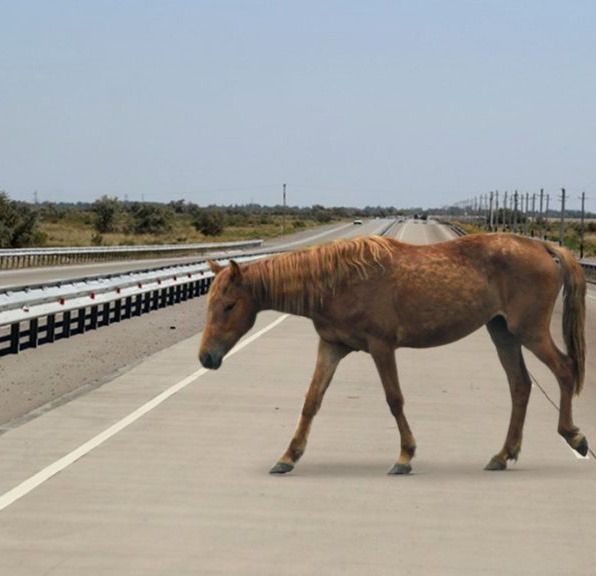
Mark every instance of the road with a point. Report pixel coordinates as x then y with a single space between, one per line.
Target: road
163 470
48 274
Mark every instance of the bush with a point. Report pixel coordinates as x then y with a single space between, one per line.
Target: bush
209 221
106 211
19 224
151 218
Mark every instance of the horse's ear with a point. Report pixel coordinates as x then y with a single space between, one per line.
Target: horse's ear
215 267
235 272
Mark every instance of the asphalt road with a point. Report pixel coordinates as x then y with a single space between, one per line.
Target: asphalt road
48 274
164 469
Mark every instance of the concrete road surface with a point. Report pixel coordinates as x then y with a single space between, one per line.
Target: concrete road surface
164 470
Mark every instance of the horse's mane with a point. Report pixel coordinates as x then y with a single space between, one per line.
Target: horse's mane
298 281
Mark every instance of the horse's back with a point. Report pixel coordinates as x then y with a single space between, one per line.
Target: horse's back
444 291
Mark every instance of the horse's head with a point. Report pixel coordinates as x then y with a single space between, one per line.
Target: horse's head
231 313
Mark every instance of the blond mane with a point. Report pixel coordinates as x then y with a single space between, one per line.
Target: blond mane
299 281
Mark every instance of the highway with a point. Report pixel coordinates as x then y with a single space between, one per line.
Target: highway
48 274
164 469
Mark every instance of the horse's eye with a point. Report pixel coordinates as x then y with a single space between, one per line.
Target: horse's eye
228 307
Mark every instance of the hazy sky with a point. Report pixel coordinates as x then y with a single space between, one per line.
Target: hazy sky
417 103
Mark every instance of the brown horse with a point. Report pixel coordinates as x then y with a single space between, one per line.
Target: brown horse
376 294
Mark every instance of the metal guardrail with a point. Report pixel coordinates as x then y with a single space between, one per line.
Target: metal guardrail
29 318
27 257
45 313
590 270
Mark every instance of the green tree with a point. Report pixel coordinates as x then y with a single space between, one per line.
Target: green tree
151 218
106 213
19 224
209 221
321 214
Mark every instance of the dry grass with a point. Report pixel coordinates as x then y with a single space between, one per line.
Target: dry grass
70 232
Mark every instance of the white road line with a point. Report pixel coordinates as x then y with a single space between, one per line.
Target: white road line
315 237
402 231
36 480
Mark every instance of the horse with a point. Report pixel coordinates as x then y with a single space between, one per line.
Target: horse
377 294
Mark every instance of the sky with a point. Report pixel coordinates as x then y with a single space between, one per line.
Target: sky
348 103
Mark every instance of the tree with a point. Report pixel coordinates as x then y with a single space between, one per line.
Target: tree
151 218
321 214
106 211
19 224
209 221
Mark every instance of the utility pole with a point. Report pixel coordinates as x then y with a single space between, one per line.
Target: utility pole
562 225
490 212
515 207
283 214
547 203
505 210
581 226
541 214
527 213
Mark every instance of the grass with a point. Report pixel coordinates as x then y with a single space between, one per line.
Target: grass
79 231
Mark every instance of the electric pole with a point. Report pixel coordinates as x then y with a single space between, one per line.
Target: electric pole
283 214
581 227
562 225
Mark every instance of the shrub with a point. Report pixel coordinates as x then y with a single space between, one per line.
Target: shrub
106 211
151 218
209 221
19 224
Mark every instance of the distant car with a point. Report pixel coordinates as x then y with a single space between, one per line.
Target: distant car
358 222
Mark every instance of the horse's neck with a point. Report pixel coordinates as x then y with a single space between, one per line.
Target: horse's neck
275 289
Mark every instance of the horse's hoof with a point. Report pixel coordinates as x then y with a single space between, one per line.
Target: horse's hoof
582 446
496 464
281 468
400 469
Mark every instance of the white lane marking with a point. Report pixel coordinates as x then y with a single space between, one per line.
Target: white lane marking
402 231
316 236
36 480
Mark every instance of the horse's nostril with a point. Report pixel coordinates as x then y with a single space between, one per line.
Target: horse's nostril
206 360
209 361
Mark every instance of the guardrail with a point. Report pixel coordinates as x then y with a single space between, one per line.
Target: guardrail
28 257
590 270
29 318
46 313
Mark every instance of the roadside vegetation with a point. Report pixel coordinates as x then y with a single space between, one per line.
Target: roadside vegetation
112 222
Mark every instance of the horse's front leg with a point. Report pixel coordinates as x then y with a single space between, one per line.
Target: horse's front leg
384 357
328 358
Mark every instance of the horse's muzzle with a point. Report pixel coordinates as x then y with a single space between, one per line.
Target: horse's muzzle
211 361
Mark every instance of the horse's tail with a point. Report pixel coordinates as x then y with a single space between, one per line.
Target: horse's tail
574 311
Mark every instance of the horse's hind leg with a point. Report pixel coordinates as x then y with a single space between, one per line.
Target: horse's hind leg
328 358
562 367
384 358
520 385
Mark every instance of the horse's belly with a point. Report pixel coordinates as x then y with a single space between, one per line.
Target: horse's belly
431 334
